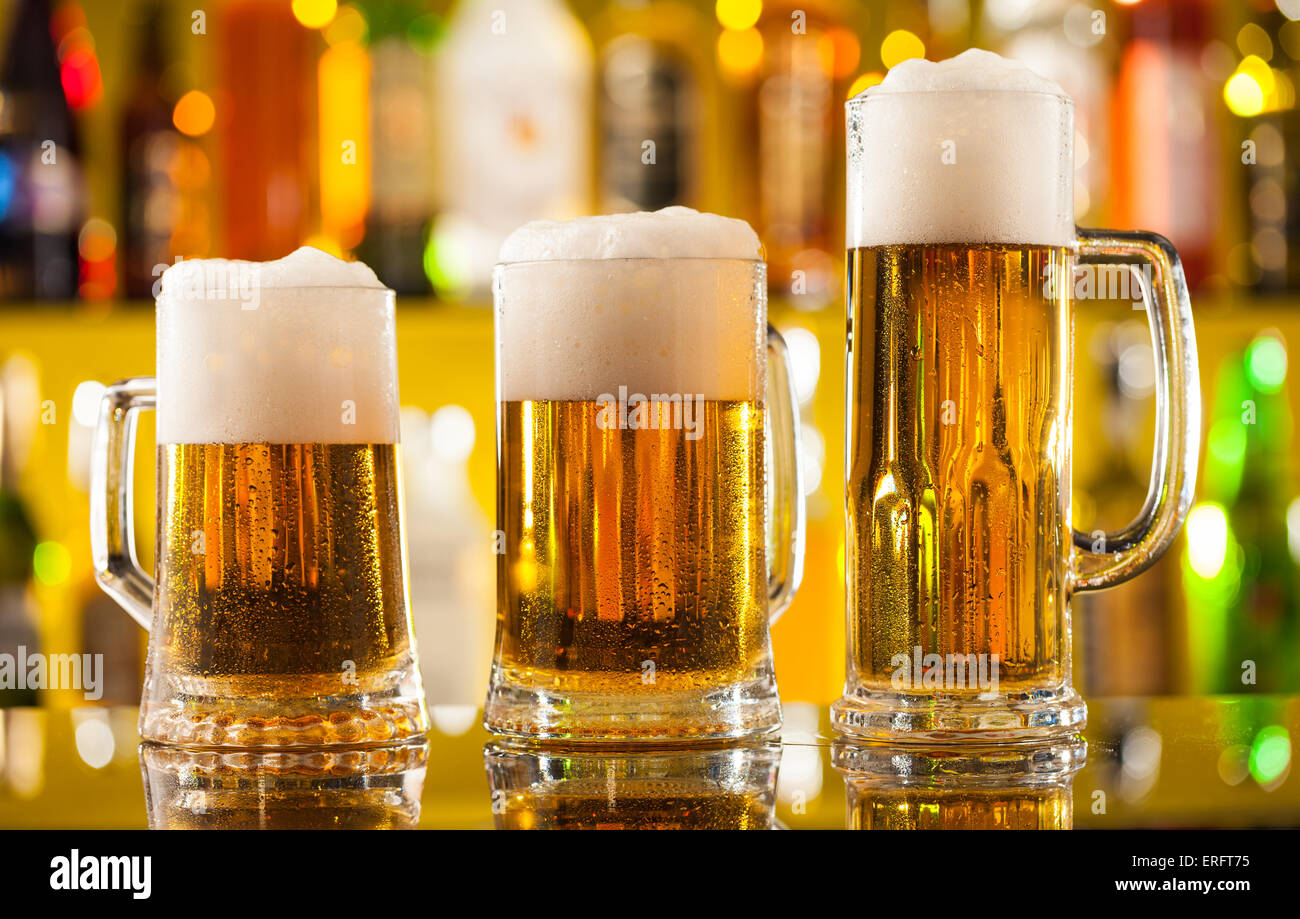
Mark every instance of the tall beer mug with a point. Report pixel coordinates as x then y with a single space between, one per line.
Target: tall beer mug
278 613
635 586
963 260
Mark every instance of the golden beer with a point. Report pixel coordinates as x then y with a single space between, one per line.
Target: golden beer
1049 808
638 562
959 434
669 805
915 787
291 553
712 788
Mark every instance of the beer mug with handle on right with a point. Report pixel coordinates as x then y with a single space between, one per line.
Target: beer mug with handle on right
963 264
278 613
636 579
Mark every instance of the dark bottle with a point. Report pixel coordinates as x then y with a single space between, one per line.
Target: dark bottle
150 147
41 194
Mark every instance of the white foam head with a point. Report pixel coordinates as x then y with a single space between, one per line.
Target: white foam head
298 350
975 149
667 302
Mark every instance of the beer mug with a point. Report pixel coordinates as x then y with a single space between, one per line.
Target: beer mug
635 585
277 614
963 265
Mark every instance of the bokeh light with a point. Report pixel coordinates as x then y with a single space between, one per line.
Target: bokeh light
1270 756
194 113
315 14
1207 539
738 14
740 51
1266 363
900 45
51 563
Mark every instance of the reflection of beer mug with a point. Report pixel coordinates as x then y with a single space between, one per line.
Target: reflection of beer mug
634 589
364 788
718 788
971 787
963 263
278 615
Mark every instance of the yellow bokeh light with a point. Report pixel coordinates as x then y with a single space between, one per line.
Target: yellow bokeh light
315 14
900 45
1243 95
1259 71
194 113
740 51
738 14
348 26
866 81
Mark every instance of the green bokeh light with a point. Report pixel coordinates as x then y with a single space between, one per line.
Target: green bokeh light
1266 363
51 563
1270 754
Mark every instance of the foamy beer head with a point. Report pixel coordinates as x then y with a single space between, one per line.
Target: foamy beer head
666 302
299 350
976 149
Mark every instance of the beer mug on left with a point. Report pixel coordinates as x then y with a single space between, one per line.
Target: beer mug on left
278 613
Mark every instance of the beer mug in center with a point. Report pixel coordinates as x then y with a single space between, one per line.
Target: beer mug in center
635 580
278 614
963 265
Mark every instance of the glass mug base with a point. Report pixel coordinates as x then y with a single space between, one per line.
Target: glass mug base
282 710
721 713
922 717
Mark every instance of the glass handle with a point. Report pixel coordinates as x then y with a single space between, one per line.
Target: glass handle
786 480
1105 561
112 528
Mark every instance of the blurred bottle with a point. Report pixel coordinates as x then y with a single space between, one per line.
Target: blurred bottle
452 570
401 37
799 122
41 194
1261 92
150 147
1124 636
657 94
1166 174
513 80
1243 537
18 635
264 61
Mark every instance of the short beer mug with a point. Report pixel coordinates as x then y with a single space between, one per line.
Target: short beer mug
277 612
635 585
962 257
